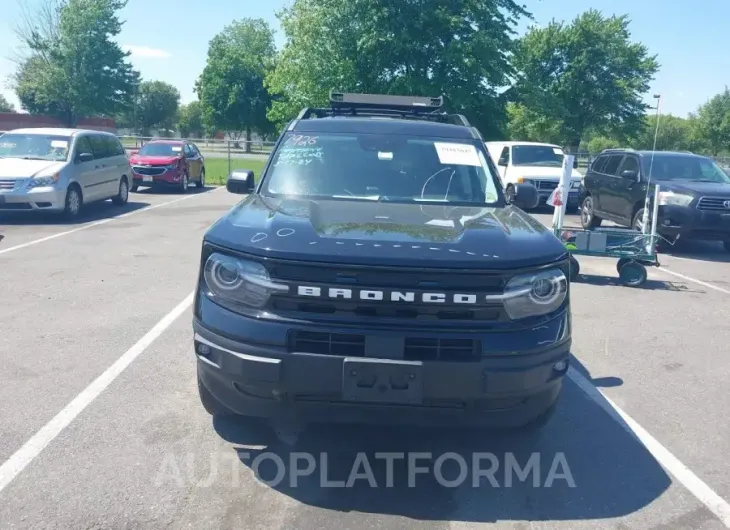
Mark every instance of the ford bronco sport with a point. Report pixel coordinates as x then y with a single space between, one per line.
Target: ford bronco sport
374 273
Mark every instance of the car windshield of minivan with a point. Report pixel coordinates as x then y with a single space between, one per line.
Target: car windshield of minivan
35 147
537 155
688 168
383 168
161 149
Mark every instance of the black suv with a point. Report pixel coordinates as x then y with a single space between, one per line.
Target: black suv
374 273
694 200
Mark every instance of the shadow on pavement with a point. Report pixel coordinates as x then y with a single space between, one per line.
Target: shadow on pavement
95 211
563 474
598 280
171 191
600 382
698 250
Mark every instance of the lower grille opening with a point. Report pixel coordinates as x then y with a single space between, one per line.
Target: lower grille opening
16 206
327 343
420 349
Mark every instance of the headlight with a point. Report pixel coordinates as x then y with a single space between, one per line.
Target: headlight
670 198
38 182
171 166
234 281
535 294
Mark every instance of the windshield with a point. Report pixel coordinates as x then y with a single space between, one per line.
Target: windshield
537 155
35 147
678 167
383 168
160 149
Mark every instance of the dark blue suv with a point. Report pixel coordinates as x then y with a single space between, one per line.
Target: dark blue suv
694 200
374 273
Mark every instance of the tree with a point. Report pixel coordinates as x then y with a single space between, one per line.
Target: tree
5 105
586 75
73 67
155 106
231 88
190 120
459 48
714 122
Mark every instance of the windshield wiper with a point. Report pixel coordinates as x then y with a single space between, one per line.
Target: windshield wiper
32 158
361 197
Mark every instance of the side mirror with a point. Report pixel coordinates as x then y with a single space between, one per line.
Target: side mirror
502 162
630 174
526 196
85 157
240 182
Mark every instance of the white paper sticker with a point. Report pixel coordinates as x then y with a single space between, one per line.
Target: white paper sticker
176 148
459 154
557 151
59 144
385 156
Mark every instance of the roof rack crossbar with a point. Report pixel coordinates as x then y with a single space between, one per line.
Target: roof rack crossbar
373 105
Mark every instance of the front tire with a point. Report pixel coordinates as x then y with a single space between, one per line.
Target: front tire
588 218
74 202
122 196
185 183
201 183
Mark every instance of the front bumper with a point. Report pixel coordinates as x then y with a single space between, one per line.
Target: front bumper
261 376
169 178
37 199
693 224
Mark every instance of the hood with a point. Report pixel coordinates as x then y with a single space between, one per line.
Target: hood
543 172
715 189
21 169
153 160
372 233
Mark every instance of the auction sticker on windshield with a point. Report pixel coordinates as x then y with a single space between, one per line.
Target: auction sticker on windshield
459 154
59 144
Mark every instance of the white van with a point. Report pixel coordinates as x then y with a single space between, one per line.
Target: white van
533 163
60 170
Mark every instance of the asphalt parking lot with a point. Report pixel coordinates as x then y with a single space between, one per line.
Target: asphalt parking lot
101 425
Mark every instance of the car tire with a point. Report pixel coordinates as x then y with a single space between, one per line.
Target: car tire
574 269
185 184
74 202
636 221
588 218
122 196
201 183
134 188
211 404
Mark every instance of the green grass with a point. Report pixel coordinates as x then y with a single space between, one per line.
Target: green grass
216 169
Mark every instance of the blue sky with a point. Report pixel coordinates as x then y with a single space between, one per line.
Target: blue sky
169 39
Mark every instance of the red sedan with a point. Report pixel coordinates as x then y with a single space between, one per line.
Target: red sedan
168 164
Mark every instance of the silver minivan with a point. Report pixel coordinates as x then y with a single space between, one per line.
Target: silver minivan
60 170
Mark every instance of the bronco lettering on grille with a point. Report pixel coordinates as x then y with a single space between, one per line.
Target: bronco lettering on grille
389 296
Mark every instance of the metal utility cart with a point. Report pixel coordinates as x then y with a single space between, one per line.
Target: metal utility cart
634 250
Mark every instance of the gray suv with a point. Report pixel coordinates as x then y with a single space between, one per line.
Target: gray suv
60 170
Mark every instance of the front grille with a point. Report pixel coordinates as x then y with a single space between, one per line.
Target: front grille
713 204
344 344
383 310
9 184
546 185
379 278
154 171
422 349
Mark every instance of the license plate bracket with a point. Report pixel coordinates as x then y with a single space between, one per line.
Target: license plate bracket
382 381
147 178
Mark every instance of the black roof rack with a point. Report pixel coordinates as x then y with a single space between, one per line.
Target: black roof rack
384 106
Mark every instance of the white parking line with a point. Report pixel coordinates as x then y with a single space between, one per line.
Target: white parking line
101 222
35 445
695 280
716 504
